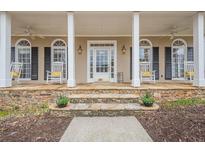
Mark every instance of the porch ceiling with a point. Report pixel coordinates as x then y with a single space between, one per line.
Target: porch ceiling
102 23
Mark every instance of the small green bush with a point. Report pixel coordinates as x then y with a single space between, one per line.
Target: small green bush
148 99
62 101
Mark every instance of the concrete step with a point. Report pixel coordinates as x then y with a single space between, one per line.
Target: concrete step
101 109
109 95
104 98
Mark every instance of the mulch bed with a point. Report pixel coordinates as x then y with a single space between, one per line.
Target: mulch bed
186 123
33 128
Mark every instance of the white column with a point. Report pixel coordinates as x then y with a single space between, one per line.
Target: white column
135 50
71 50
199 55
5 49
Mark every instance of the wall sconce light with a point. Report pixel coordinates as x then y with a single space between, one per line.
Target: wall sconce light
123 49
80 50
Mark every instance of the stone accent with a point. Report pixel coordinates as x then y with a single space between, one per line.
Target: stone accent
104 106
100 109
22 97
74 113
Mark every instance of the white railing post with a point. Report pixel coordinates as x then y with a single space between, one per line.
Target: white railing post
199 55
135 50
5 49
71 82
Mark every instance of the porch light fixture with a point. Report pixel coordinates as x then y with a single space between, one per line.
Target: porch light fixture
123 49
80 50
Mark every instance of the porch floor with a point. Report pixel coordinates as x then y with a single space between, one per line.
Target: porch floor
95 86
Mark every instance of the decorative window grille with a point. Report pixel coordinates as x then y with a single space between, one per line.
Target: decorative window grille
179 43
101 44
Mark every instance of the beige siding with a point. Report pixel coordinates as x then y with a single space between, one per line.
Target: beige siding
123 60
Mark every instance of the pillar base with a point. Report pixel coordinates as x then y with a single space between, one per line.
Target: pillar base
5 83
199 83
136 83
71 83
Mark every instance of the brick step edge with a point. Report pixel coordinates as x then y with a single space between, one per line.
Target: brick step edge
104 100
94 113
98 112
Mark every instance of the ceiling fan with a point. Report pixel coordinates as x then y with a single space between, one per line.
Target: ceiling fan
174 30
28 31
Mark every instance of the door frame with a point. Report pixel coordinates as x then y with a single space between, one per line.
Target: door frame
89 42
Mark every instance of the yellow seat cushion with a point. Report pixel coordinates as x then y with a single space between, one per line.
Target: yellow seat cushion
146 74
14 74
188 74
55 74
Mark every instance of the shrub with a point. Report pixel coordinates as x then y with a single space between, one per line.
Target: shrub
148 99
62 101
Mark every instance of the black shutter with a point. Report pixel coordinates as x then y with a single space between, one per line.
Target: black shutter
155 63
12 54
34 63
47 61
190 54
168 63
130 63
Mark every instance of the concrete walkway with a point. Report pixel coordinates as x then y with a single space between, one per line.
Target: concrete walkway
102 129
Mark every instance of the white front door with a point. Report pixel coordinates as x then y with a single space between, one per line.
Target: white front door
102 64
102 61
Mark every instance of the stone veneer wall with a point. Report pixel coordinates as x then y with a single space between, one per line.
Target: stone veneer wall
24 97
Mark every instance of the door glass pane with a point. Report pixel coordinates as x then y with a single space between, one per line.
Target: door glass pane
102 61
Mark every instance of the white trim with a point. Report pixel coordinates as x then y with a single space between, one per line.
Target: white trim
179 39
58 39
114 42
144 39
22 39
16 55
124 35
185 55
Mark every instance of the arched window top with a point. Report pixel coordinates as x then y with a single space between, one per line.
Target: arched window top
59 43
179 43
23 43
145 43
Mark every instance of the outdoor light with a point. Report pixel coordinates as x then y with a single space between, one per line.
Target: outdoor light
80 50
123 49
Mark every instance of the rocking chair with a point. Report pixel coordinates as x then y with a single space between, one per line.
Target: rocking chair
56 73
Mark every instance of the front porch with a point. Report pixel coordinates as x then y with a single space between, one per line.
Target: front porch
171 85
92 50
